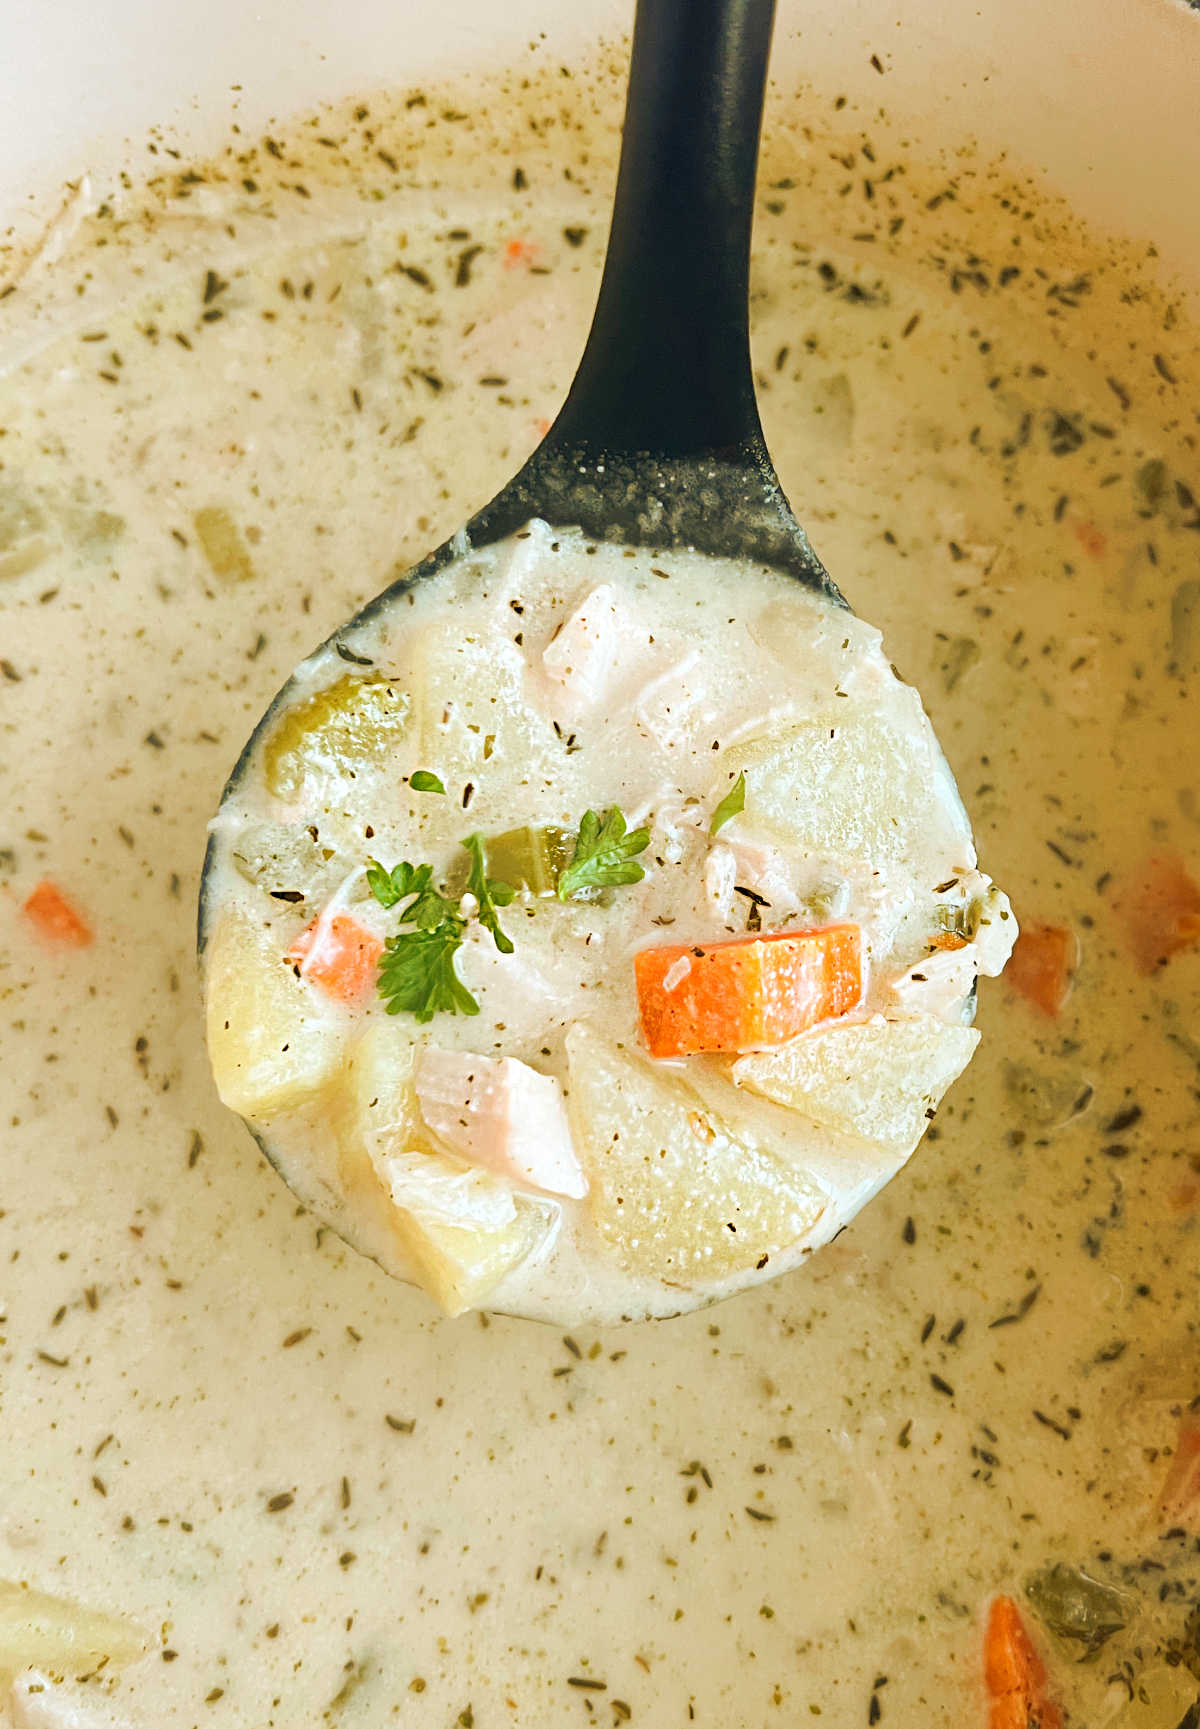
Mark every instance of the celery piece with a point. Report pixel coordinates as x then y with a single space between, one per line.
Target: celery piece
527 859
329 736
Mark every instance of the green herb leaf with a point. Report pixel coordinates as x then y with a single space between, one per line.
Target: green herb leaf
428 908
424 780
489 893
733 804
417 974
387 886
604 855
416 970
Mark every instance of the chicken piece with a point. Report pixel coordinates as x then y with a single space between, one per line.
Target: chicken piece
938 984
462 1230
590 651
978 934
720 876
498 1113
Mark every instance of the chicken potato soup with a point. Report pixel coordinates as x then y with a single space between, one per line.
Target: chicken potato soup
594 931
945 1474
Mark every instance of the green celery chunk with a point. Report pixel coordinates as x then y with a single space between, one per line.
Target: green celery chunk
529 859
351 725
1078 1609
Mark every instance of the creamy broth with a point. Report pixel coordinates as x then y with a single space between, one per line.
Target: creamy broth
496 1134
315 1501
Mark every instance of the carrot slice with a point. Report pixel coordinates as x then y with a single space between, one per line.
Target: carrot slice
949 941
748 994
520 252
1014 1673
1090 538
1043 963
342 958
51 913
1160 909
1180 1499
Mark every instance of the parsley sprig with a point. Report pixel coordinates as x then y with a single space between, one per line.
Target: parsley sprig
417 971
489 892
604 855
417 974
733 804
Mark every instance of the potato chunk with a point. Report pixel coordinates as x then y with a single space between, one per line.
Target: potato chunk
52 1633
334 734
463 1229
859 788
478 725
673 1192
877 1079
274 1043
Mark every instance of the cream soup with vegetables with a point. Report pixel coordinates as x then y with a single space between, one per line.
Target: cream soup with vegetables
592 932
249 1478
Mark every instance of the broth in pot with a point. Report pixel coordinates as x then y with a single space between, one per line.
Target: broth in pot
251 1478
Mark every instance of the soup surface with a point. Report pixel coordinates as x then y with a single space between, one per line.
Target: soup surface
451 1055
235 403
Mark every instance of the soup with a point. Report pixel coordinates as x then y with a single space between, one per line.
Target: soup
797 954
233 410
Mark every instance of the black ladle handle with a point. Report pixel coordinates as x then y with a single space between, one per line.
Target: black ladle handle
659 442
667 363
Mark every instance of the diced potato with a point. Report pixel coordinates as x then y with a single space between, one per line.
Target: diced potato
286 857
463 1229
1162 1698
478 725
330 736
876 1079
273 1041
64 1638
676 1195
858 788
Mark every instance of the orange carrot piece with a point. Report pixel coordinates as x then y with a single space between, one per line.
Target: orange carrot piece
1090 538
51 913
1180 1498
1043 963
342 961
748 994
521 252
949 941
1014 1673
1160 909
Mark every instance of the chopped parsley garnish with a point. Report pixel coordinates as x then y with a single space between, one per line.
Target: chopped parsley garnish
604 855
733 804
416 970
417 975
424 780
429 908
488 892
